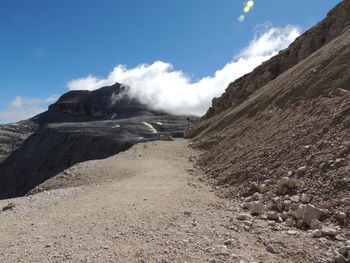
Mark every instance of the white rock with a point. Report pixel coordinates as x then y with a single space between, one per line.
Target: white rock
295 198
292 232
243 217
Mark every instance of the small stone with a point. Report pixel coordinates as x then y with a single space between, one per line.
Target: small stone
290 222
272 216
187 213
263 188
341 216
301 170
340 237
287 182
271 249
257 208
263 216
287 204
229 242
271 223
295 198
243 217
248 223
329 231
9 206
339 259
299 212
317 233
292 232
305 199
284 216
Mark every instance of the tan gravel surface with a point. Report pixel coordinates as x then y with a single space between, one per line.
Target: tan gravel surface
153 209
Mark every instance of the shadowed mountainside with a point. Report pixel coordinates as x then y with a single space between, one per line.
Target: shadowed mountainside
81 126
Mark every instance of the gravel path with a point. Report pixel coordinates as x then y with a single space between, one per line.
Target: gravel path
155 211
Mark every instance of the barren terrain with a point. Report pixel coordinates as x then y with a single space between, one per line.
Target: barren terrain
150 207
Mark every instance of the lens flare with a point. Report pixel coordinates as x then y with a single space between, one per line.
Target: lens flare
250 3
247 7
241 18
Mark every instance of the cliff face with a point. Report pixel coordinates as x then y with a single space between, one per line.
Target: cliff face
238 91
80 126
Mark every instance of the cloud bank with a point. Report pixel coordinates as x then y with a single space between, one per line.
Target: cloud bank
164 88
23 108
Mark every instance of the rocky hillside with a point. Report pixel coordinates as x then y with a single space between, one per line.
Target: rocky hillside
80 126
278 138
325 31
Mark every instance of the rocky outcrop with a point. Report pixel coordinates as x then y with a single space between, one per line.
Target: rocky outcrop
336 22
98 103
81 126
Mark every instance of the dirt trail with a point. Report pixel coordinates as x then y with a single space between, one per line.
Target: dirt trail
151 209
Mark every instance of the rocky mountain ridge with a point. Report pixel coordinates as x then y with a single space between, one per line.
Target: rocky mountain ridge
80 126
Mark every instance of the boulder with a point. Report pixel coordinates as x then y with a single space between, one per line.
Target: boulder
310 213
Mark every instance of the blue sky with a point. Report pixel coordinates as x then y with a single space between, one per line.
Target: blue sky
44 44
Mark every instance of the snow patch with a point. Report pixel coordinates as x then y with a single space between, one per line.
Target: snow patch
116 126
159 123
152 129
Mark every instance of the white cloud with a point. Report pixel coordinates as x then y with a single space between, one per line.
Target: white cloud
162 87
24 108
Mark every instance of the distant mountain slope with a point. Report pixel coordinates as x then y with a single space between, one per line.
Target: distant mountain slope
80 126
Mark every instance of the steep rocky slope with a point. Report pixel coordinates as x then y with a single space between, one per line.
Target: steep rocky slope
325 31
290 137
80 126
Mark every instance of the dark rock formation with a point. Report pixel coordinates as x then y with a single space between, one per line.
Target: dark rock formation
81 126
13 135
